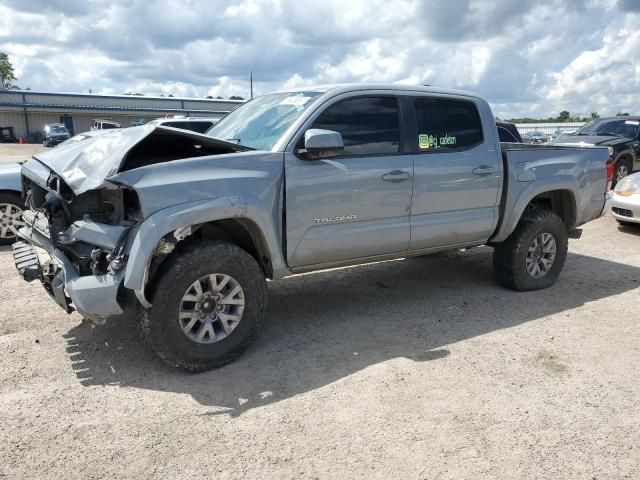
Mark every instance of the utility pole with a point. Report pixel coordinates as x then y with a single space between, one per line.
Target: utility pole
251 82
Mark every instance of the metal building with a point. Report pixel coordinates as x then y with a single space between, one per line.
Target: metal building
27 112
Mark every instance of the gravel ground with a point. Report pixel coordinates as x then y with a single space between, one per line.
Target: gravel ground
418 368
15 152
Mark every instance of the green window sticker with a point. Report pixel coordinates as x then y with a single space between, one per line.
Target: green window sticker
431 141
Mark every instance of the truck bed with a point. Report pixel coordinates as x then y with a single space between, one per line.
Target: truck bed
577 174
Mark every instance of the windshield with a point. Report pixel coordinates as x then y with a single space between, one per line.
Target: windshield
613 126
260 123
57 129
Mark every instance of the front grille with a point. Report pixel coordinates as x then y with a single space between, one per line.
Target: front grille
623 212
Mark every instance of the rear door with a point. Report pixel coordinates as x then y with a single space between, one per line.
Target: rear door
457 172
357 204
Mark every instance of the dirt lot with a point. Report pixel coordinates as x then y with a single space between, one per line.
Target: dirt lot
14 152
419 368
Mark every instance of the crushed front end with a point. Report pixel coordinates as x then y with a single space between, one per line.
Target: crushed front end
75 244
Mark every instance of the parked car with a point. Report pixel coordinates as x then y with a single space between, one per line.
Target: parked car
620 134
7 135
625 202
194 124
54 133
186 227
105 125
508 132
11 203
561 137
535 137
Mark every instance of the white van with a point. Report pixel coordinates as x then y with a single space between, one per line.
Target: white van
105 124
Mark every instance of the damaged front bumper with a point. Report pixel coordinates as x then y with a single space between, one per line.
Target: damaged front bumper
95 297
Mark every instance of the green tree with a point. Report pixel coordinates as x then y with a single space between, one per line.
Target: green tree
564 116
235 97
7 76
594 115
622 114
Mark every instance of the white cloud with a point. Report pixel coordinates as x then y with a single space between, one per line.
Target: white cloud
526 58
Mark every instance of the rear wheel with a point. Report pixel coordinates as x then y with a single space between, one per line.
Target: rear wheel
208 302
11 209
534 254
622 168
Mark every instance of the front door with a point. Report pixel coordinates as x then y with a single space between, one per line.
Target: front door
357 204
457 173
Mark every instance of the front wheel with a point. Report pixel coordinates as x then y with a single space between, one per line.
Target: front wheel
534 254
208 302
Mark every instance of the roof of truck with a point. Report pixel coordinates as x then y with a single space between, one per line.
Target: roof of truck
350 87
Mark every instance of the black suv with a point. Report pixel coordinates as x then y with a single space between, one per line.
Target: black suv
621 134
54 133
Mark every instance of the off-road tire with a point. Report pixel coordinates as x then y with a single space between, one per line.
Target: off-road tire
190 261
509 257
13 199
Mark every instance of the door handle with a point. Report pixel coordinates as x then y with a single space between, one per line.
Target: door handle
483 170
396 176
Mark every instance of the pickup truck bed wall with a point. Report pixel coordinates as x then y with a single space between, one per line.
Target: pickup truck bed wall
535 169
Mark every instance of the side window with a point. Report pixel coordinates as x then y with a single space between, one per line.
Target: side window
446 125
200 127
369 125
505 135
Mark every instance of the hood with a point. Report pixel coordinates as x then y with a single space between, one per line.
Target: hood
86 164
601 140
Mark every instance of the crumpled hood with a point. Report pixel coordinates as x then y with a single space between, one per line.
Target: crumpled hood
601 140
84 165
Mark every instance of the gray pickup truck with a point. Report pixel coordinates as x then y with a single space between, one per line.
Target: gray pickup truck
181 229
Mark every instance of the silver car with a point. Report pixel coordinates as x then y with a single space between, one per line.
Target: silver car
625 202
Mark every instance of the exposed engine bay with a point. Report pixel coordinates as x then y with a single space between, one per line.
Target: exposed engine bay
90 225
89 228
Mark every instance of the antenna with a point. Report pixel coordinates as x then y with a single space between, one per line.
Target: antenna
251 83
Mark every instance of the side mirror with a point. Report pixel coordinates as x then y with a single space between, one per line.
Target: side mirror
322 143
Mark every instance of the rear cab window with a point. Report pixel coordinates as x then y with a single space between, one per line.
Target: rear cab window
446 125
505 135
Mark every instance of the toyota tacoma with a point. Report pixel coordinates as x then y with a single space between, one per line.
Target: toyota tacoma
181 230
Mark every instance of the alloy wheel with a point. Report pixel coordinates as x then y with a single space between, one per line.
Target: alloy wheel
211 308
10 220
541 255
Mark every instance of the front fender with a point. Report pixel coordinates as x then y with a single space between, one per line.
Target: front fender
164 221
515 208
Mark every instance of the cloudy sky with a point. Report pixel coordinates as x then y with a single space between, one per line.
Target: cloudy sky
526 58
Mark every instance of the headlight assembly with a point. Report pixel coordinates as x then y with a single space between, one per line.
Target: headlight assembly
628 186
